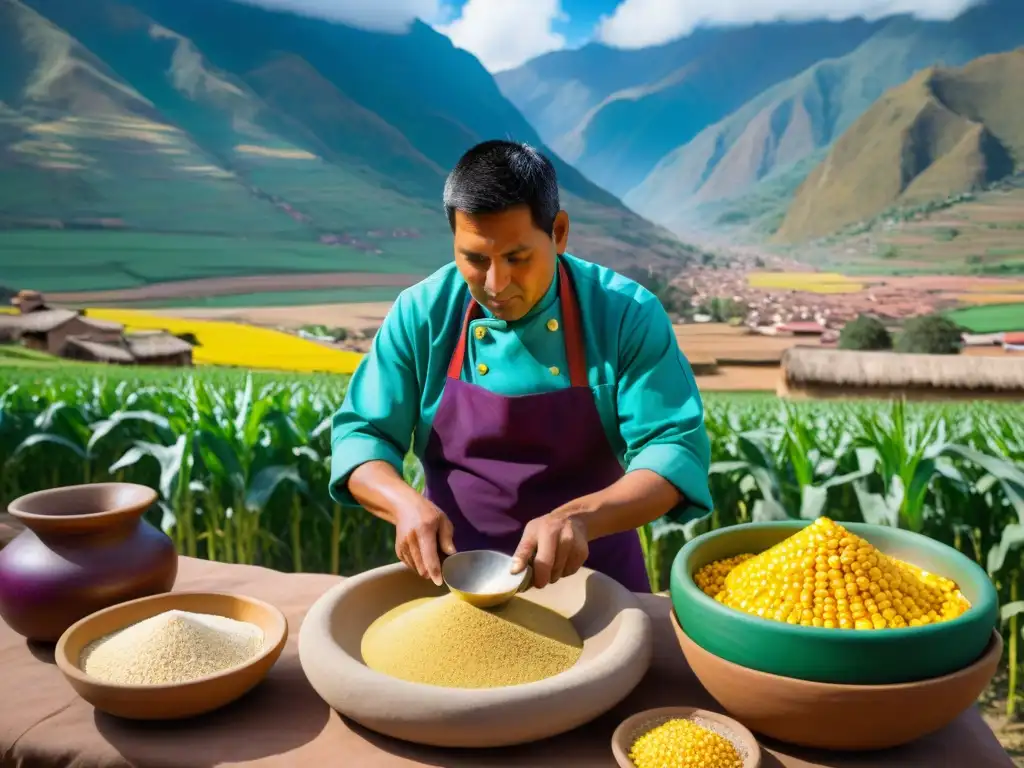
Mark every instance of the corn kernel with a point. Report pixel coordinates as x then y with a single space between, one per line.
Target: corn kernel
825 576
682 743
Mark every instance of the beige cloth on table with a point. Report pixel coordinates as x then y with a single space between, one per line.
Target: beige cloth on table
9 529
284 723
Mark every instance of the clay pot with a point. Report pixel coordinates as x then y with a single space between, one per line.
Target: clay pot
840 717
85 547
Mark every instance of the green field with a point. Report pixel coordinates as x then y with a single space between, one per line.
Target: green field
990 318
106 260
13 356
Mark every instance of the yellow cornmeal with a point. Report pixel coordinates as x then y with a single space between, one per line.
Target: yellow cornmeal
825 576
446 641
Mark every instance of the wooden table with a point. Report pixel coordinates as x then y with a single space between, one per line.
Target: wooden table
284 723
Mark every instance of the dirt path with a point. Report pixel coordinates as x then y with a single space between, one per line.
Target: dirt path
231 286
356 315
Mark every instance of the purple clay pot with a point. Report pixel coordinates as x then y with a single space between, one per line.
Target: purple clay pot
85 547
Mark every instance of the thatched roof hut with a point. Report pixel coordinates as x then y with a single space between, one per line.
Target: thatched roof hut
141 348
41 321
47 320
150 345
48 330
70 333
832 373
95 350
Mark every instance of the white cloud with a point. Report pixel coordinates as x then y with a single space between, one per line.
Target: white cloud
503 34
642 23
376 15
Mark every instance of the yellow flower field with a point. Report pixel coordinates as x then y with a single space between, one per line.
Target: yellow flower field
812 282
990 298
226 343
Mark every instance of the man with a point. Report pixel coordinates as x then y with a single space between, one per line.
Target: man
545 396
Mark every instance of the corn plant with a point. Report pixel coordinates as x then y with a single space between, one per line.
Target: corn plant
241 462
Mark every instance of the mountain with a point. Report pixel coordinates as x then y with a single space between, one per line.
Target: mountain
748 165
556 90
215 117
944 131
616 114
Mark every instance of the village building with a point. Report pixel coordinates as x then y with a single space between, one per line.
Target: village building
1013 342
139 348
48 330
71 334
820 372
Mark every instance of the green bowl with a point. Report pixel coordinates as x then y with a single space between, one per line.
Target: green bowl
833 655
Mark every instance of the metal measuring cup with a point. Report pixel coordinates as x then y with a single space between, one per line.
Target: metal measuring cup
484 578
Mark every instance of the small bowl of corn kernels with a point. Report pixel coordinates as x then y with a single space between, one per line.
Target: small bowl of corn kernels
684 737
839 613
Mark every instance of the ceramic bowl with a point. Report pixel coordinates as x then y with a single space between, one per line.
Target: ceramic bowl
839 717
169 702
616 635
636 726
833 655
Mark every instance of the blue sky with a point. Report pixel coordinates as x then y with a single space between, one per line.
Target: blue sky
507 33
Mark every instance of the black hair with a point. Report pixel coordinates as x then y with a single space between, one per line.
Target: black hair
496 175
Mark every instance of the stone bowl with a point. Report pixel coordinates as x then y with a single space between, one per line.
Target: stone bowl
835 655
617 649
636 726
839 717
174 701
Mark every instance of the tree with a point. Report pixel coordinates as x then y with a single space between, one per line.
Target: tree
724 309
930 335
865 333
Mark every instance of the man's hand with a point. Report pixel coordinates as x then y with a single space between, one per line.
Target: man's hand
557 542
419 532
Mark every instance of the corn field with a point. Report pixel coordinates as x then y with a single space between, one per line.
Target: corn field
241 462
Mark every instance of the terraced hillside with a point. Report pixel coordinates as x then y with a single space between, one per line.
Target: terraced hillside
209 122
944 131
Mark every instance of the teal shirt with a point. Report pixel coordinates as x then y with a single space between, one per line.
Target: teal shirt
643 385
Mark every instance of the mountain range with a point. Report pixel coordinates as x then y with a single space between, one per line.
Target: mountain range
723 126
213 118
942 132
208 117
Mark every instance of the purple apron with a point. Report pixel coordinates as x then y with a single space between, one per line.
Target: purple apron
493 463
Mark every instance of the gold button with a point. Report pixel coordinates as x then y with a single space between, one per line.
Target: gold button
554 370
480 332
482 368
552 324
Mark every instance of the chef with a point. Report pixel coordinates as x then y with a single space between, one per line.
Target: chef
545 396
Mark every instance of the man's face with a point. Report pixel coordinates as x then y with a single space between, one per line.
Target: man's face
506 260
